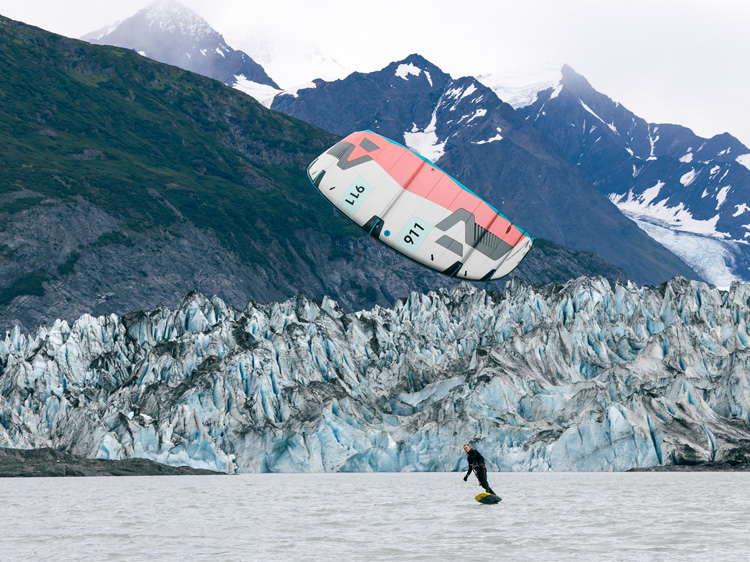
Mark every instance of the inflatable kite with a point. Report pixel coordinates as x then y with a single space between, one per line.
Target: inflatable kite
411 205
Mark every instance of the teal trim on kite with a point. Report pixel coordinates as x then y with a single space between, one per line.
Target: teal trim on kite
412 206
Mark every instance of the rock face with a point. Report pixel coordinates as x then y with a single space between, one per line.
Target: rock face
581 376
689 193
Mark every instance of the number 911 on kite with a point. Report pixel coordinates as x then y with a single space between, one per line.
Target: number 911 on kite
406 202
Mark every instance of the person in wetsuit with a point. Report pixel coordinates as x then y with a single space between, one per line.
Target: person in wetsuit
476 463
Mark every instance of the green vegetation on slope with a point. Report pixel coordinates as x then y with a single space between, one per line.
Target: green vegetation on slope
153 145
29 284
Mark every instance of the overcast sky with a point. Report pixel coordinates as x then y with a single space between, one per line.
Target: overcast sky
681 61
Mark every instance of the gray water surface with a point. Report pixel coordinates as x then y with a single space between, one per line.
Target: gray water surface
564 516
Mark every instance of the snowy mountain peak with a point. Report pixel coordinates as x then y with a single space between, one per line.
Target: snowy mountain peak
414 65
417 60
174 17
170 32
164 10
577 82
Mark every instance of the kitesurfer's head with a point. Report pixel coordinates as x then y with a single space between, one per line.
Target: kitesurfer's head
467 448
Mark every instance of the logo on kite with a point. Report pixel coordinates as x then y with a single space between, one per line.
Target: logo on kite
409 204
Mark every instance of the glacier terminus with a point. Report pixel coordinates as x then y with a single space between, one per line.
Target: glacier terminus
585 376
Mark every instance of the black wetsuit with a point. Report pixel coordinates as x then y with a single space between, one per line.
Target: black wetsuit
476 463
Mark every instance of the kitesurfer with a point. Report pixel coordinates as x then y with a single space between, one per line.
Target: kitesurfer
476 463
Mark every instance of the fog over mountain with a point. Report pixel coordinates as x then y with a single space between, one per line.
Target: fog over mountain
169 32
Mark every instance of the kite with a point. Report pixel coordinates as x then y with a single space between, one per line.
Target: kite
409 204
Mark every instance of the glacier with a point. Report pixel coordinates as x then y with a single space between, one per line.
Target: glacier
585 376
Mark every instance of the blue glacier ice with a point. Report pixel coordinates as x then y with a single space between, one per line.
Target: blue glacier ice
581 376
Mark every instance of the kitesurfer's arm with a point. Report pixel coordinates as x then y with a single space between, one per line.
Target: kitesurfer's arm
471 458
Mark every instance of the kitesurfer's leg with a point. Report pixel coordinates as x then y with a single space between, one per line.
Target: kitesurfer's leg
482 477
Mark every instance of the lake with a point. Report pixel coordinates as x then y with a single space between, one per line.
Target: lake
393 516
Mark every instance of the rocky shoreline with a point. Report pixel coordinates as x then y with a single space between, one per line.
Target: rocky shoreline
701 467
50 462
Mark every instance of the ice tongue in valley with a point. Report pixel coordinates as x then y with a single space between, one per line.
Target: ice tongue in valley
581 376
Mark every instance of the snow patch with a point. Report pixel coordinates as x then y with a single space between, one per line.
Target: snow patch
454 92
470 90
294 92
591 111
477 113
744 159
687 158
651 193
497 137
722 196
652 138
688 178
678 218
262 93
405 70
426 142
741 209
218 50
556 92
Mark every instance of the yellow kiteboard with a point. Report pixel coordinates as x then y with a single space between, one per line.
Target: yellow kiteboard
488 499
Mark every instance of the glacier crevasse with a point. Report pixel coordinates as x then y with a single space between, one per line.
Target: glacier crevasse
581 376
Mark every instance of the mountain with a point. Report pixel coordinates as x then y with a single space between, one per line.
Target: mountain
689 193
169 32
470 133
582 376
127 183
